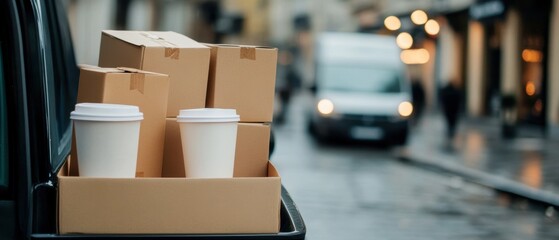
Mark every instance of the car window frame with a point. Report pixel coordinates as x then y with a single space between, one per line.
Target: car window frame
65 76
52 71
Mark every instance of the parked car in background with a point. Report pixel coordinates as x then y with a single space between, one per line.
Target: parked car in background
362 89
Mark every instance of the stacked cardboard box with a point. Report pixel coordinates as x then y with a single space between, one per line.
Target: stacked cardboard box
183 59
238 77
242 78
148 91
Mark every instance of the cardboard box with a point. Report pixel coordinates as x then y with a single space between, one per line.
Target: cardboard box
253 149
146 90
251 153
183 59
169 205
243 78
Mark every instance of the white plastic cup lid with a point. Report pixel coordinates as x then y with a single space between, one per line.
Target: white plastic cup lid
208 115
106 112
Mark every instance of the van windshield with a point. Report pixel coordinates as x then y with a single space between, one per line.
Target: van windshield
356 78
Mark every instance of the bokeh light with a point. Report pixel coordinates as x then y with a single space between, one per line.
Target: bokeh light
532 55
325 106
415 56
432 27
404 40
405 109
530 88
392 23
419 17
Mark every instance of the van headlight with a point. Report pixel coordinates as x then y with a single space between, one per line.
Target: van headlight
325 107
405 109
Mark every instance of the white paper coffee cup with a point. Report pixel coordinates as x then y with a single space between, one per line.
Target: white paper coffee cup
209 137
107 137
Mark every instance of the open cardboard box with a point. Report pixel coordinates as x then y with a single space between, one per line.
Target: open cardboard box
169 205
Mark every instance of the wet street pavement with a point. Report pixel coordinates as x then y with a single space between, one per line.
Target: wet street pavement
362 191
525 165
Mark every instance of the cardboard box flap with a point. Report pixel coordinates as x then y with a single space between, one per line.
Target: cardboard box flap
134 70
117 70
239 46
155 39
99 69
272 171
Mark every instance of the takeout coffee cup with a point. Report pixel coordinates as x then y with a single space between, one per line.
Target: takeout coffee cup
209 137
107 137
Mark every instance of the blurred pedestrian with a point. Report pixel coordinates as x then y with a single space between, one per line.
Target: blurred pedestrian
286 82
121 14
451 99
418 98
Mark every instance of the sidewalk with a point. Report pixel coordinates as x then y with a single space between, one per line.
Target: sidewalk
527 166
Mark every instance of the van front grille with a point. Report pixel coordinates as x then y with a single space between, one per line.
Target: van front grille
365 118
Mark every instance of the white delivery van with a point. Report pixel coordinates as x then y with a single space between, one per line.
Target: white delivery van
362 89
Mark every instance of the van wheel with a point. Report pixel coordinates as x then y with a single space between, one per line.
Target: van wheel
316 134
311 128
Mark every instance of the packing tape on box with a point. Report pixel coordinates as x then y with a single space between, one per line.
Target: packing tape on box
172 53
248 53
171 50
137 82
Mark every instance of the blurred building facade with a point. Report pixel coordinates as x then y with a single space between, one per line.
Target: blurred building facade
505 53
502 53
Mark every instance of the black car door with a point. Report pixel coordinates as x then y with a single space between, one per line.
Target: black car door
38 88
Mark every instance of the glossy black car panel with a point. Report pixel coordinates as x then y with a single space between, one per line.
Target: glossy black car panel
41 79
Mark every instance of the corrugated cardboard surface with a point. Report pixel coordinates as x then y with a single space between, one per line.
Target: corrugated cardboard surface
183 59
146 90
169 205
251 153
243 78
